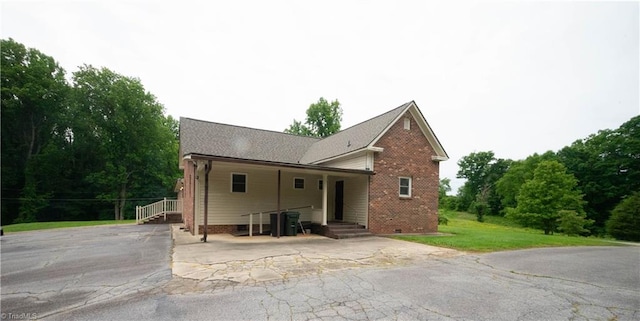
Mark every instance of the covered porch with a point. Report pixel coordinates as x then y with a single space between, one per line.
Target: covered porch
239 196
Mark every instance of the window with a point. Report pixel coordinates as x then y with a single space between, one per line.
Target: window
238 183
298 183
405 186
320 184
407 124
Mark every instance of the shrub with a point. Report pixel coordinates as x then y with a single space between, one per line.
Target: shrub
624 223
449 202
572 223
443 219
480 208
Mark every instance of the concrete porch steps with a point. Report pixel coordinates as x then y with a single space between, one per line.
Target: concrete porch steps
345 230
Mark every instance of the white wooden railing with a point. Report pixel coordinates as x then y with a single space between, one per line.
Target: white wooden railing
269 212
144 213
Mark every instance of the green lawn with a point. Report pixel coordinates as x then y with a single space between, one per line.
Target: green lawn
49 225
496 234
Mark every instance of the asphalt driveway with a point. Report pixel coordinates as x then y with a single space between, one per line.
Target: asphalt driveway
51 271
124 273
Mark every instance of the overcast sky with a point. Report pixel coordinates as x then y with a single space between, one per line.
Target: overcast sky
512 77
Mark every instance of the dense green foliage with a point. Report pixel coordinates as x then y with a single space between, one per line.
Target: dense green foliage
541 198
482 170
508 186
496 234
323 119
605 167
79 151
624 223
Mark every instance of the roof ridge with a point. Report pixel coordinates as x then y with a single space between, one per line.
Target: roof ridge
361 134
370 119
403 106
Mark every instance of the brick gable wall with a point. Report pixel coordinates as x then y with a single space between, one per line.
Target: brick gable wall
407 153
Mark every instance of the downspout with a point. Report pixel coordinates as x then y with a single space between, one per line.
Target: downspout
278 210
207 169
194 226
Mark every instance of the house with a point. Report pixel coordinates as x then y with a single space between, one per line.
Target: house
381 174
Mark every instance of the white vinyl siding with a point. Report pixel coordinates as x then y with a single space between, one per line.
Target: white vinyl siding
226 208
356 199
358 162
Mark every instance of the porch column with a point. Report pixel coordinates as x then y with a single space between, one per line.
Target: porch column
325 198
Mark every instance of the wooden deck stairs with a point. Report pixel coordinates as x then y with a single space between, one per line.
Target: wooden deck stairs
166 211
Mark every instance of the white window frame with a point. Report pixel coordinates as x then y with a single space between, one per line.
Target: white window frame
407 123
246 182
400 186
294 182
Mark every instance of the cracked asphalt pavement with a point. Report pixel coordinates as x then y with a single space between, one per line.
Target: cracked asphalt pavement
136 273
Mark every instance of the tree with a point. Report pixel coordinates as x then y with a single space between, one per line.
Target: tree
445 201
443 188
123 124
482 170
624 223
607 166
573 223
34 93
542 198
323 119
508 186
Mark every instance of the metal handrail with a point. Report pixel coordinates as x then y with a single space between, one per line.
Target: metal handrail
255 213
283 210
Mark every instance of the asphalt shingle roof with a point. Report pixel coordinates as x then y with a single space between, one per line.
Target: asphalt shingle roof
351 139
215 139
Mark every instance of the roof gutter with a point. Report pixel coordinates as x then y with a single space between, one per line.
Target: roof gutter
277 164
350 153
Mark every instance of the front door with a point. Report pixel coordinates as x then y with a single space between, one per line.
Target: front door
339 200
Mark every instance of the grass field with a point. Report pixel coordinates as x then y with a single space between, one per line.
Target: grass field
49 225
496 234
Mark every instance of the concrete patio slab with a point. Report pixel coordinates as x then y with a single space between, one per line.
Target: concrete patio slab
248 260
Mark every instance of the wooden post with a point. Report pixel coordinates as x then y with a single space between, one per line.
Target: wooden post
278 210
260 223
207 169
250 224
325 197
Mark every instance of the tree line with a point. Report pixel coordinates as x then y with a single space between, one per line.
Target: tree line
92 147
575 190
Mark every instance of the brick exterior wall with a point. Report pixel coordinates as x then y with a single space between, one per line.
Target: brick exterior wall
407 153
188 195
218 229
